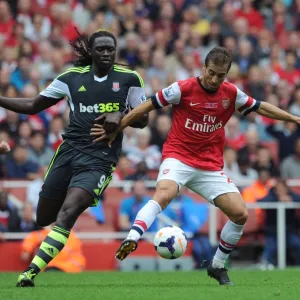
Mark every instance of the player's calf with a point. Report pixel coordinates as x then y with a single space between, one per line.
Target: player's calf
233 206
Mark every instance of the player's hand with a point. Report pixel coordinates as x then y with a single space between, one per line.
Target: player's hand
101 134
110 121
4 147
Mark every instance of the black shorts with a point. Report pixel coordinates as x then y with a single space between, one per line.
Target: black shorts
72 168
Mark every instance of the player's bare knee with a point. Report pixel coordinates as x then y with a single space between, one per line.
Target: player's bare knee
239 216
163 197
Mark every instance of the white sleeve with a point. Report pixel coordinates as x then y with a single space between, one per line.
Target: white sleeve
169 95
136 96
244 103
56 89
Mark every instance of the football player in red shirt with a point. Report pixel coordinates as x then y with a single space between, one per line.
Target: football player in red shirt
193 152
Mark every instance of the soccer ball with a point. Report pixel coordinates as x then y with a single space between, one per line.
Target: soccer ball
170 242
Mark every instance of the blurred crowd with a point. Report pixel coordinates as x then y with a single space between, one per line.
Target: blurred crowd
164 41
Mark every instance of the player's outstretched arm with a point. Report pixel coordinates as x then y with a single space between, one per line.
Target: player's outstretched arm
28 106
137 114
134 115
273 112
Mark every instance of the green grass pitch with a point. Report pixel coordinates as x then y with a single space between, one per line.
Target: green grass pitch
258 285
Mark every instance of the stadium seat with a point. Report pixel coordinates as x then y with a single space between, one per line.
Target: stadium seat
273 146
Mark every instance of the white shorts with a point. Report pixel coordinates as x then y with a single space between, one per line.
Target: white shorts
208 184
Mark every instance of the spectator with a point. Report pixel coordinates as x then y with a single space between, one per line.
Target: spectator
234 138
129 139
295 107
39 29
253 17
251 147
160 131
245 175
231 166
290 167
279 21
6 20
241 30
286 136
56 130
141 172
263 49
70 260
83 13
255 84
20 76
19 166
39 152
57 64
28 223
143 56
34 187
234 76
11 123
130 51
9 218
131 205
290 73
123 169
188 69
157 68
144 151
24 133
259 189
43 59
265 161
227 17
174 61
245 58
281 193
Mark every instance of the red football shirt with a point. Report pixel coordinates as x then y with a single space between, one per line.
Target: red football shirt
197 135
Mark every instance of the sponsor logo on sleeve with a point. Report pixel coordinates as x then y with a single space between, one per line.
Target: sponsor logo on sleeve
168 92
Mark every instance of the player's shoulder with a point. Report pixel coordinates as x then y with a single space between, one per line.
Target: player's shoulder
230 89
229 86
186 84
73 72
132 77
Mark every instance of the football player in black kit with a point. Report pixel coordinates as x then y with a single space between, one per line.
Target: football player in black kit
80 169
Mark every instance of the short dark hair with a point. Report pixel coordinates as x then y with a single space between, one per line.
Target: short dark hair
83 46
37 132
219 56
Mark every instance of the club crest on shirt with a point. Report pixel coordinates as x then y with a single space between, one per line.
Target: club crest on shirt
225 103
116 86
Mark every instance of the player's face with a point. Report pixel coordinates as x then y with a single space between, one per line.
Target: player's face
214 75
104 52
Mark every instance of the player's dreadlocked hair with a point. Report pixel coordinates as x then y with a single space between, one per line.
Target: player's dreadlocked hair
83 46
219 56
